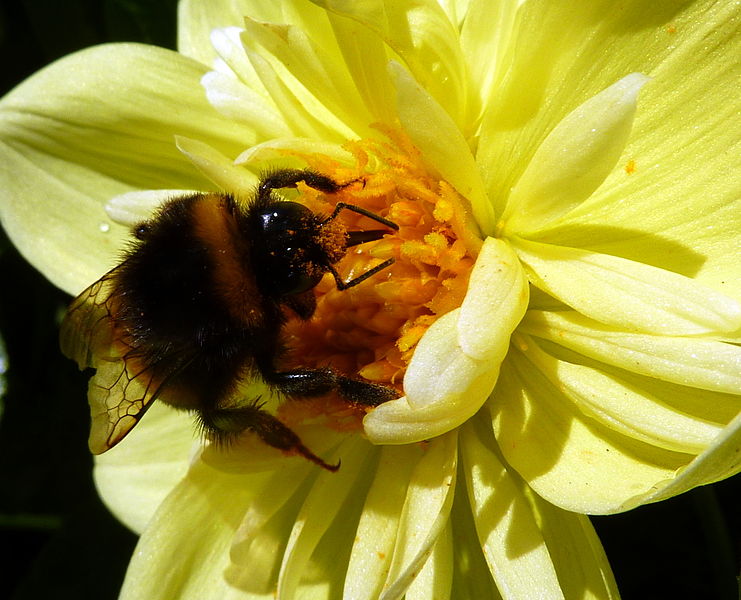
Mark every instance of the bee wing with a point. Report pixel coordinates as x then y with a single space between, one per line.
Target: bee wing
87 329
119 395
123 387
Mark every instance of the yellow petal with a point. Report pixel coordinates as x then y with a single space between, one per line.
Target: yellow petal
580 561
436 577
375 538
674 200
694 362
441 143
617 404
628 294
456 363
447 387
134 477
574 158
317 75
259 542
367 59
90 126
495 302
196 21
719 461
486 34
185 549
425 514
130 208
303 114
240 104
219 169
512 543
423 36
472 577
320 508
280 152
567 458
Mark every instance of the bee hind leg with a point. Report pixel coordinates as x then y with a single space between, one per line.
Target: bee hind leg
309 383
223 424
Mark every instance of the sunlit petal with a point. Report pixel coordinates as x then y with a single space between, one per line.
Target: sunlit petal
320 508
628 294
575 158
84 143
375 539
441 143
513 545
130 208
421 34
595 470
496 300
695 362
425 513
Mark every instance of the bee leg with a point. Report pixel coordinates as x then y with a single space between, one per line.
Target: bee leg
223 424
288 178
308 383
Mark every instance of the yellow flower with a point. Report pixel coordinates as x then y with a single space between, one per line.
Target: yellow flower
592 155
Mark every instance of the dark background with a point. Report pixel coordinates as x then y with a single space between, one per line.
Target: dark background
61 542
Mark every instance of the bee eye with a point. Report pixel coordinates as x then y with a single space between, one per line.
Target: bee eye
286 248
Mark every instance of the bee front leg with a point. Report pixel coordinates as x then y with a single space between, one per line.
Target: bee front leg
309 383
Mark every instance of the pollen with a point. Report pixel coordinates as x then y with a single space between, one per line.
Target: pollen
370 331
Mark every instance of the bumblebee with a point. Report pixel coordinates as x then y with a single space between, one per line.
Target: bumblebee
198 303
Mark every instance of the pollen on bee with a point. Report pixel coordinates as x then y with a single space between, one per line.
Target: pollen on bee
371 330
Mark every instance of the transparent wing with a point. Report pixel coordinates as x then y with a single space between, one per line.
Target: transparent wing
123 386
119 394
88 328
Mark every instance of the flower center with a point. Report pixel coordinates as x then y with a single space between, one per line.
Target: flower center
371 330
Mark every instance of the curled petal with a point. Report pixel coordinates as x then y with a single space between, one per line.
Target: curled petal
447 385
456 363
497 298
